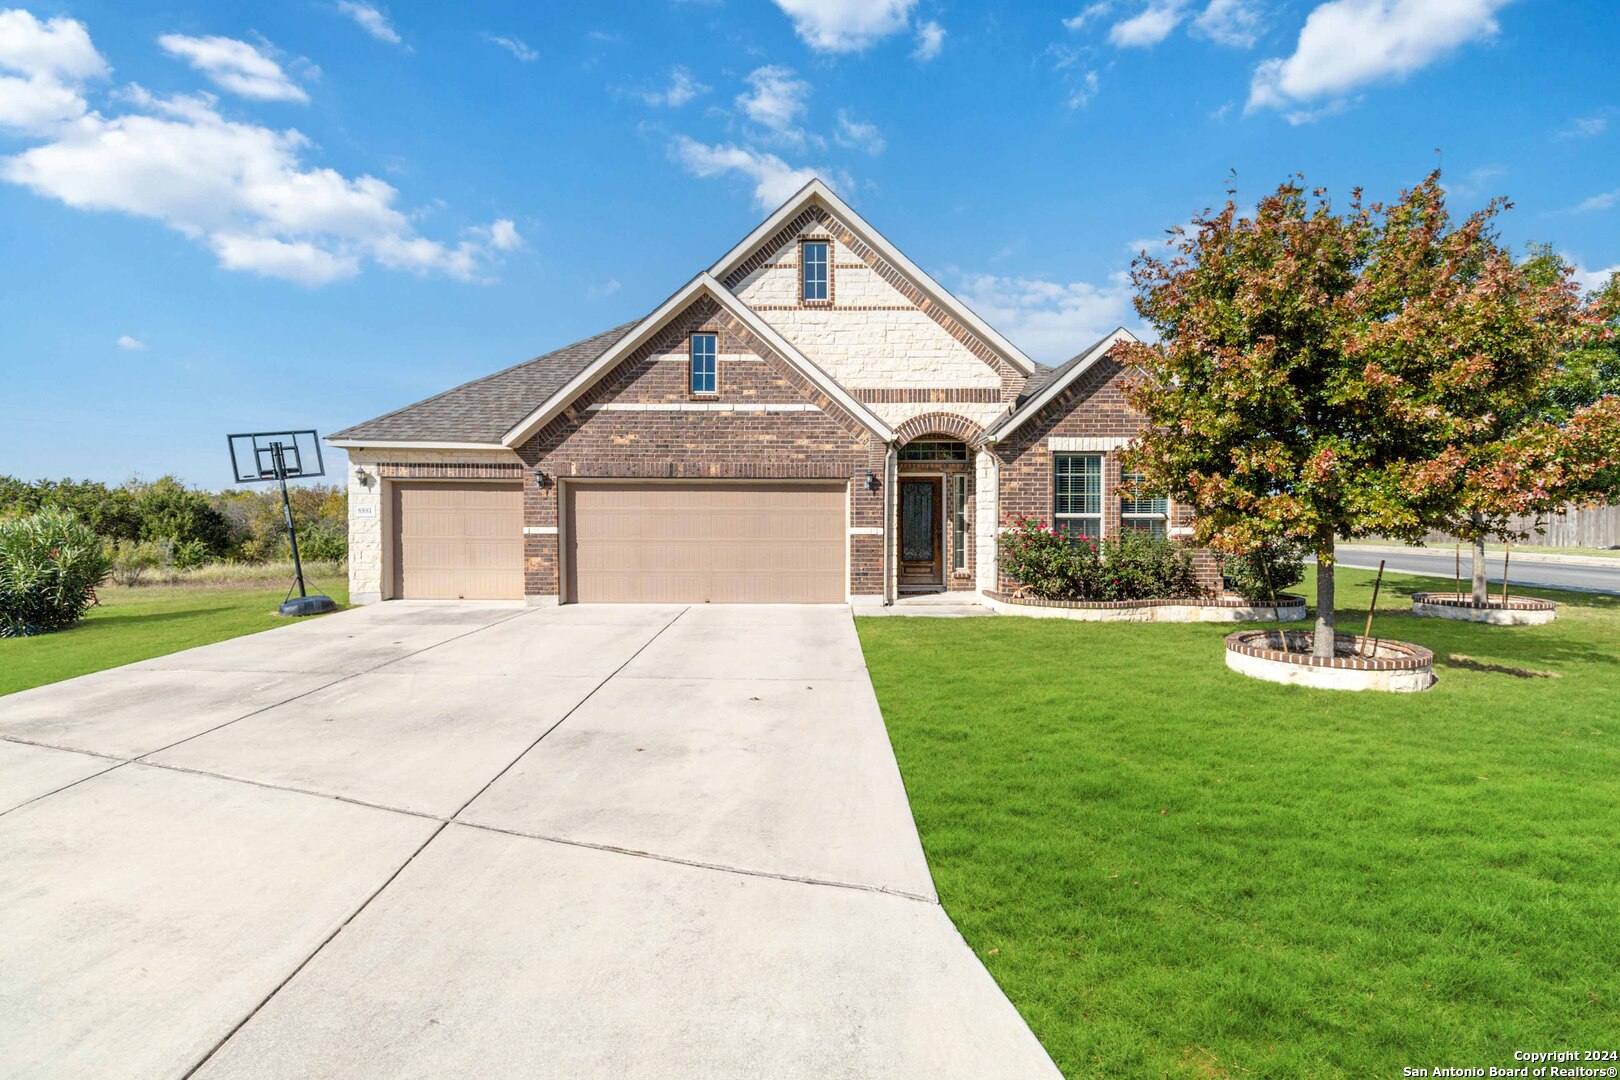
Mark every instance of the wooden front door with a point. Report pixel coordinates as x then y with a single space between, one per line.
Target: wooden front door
921 561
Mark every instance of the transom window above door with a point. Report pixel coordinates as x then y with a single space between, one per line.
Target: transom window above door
705 358
815 273
1077 489
934 450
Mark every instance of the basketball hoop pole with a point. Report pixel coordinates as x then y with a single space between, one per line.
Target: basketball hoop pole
286 508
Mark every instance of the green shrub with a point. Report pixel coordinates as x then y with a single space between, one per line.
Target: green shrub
134 560
1269 568
323 543
50 565
1132 566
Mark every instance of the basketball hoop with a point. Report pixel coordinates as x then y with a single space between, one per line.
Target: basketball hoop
277 455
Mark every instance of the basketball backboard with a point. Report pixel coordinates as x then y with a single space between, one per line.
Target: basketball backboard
254 454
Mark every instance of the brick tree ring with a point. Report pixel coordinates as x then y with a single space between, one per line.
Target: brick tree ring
1284 656
1516 611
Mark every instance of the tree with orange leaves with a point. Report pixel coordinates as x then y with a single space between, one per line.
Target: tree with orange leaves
1322 374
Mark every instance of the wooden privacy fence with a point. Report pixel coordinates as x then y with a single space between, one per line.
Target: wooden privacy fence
1592 527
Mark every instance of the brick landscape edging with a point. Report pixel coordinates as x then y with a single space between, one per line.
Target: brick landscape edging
1517 611
1178 609
1412 658
1283 656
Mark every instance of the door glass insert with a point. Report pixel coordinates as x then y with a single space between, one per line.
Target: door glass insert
917 522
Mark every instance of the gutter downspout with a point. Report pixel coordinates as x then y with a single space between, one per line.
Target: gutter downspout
891 474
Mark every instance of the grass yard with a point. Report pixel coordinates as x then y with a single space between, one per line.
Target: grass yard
1175 871
140 623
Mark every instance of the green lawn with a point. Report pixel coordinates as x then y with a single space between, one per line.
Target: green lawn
140 623
1175 871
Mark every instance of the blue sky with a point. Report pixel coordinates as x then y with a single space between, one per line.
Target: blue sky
224 216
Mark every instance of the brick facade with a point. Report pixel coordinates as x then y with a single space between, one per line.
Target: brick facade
767 421
1090 416
896 350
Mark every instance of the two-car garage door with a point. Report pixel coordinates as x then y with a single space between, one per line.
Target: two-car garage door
693 543
724 542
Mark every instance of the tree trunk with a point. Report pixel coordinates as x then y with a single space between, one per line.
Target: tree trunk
1480 598
1322 641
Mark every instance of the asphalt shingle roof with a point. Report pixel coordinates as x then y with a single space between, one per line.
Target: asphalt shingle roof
1046 376
485 409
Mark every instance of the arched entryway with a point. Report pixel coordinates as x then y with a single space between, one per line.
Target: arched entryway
933 503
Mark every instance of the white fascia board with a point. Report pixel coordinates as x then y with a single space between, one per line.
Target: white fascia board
1040 401
815 189
403 444
644 330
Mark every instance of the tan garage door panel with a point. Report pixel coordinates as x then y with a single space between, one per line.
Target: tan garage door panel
722 543
458 541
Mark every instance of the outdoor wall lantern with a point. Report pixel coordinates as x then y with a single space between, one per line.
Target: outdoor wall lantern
871 481
364 478
541 480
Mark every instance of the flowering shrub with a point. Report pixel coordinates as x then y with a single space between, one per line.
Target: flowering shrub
1058 566
50 565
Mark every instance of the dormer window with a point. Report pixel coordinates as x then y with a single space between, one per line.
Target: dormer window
705 352
815 271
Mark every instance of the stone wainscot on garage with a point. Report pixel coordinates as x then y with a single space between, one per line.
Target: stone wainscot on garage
812 419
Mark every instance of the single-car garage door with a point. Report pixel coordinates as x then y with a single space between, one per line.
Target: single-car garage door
694 543
457 541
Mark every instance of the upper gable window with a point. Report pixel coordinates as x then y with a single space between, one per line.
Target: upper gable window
705 354
815 271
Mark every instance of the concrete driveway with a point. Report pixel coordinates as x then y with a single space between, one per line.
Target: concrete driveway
478 840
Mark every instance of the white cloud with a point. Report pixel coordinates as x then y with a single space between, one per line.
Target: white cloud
1086 15
776 102
371 20
43 70
235 66
930 40
602 291
1583 127
1080 96
514 45
1599 202
774 179
503 235
682 89
1593 280
1475 183
1149 27
859 134
1346 44
1229 22
1051 321
846 25
242 190
129 344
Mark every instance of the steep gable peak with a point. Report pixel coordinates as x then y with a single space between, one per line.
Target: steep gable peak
789 219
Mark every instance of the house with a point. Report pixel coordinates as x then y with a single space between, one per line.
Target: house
812 419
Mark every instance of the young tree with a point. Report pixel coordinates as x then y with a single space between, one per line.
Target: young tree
1312 365
1557 445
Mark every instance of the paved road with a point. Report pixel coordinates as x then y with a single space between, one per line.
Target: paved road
467 840
1442 563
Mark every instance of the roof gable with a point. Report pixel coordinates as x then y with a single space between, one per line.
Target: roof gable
1045 385
932 297
641 332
